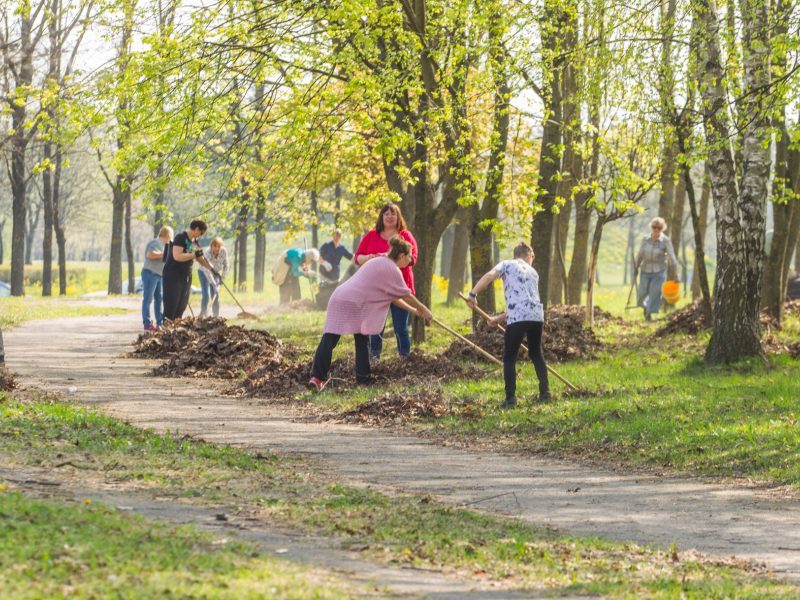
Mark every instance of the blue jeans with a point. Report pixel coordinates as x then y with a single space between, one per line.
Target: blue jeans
400 324
151 292
650 291
209 289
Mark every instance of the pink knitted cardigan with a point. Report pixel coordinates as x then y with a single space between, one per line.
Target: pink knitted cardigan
361 303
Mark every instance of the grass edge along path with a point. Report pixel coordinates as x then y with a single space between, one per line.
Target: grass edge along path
55 549
404 529
16 310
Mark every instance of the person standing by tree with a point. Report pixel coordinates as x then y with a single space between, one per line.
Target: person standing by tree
656 250
152 272
332 253
525 317
210 279
376 243
177 277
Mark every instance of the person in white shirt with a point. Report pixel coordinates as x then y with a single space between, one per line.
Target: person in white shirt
524 316
651 264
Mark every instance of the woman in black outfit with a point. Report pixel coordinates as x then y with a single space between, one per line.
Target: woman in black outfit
177 277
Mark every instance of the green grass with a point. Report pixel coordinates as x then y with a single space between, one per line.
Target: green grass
81 546
58 549
14 311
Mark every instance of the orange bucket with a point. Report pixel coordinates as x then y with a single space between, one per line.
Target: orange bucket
671 291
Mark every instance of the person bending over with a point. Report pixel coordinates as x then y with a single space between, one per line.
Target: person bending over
360 305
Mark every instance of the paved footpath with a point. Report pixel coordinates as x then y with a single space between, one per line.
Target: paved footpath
85 355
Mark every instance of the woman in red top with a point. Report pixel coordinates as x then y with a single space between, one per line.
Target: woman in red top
376 243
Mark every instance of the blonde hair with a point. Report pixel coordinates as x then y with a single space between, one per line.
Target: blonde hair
166 230
658 221
217 241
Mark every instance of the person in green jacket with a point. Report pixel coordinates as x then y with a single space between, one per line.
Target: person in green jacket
299 263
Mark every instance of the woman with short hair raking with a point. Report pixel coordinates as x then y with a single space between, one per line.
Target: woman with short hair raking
177 277
651 264
524 315
359 306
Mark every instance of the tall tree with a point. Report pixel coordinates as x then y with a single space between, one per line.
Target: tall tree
740 209
19 40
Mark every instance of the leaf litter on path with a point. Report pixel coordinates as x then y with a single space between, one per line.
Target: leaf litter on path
211 348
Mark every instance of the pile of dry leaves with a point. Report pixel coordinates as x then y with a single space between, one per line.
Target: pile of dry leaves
565 336
210 348
394 407
7 380
418 369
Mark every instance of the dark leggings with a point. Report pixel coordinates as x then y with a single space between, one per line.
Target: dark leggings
513 338
177 288
324 353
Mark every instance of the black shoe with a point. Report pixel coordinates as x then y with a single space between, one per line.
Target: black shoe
368 381
510 402
544 397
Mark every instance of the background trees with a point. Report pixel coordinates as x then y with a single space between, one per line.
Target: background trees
541 120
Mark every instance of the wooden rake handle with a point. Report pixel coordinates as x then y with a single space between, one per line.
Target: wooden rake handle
482 313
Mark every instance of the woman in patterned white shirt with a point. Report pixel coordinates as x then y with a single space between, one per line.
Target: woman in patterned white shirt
524 315
651 264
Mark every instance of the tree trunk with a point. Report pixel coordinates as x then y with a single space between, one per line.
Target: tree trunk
699 246
47 236
595 252
19 146
558 268
447 251
117 231
241 243
314 220
458 261
740 214
260 259
128 241
58 226
30 234
676 218
549 157
701 227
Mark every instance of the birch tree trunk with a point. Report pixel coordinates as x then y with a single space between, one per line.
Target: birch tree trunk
740 212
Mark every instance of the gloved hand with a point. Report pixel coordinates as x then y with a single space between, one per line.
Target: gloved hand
198 253
326 265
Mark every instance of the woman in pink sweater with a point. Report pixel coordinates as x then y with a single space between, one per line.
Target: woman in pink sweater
359 306
376 243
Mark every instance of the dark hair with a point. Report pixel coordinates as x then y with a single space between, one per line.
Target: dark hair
198 224
522 250
398 246
401 222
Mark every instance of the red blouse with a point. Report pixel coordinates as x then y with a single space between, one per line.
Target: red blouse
373 243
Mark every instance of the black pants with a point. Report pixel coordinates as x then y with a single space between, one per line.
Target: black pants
513 338
290 288
177 288
324 353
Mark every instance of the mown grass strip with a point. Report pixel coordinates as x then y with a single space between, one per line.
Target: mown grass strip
52 549
403 529
14 311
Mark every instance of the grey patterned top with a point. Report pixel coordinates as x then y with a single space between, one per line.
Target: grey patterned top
521 291
654 254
